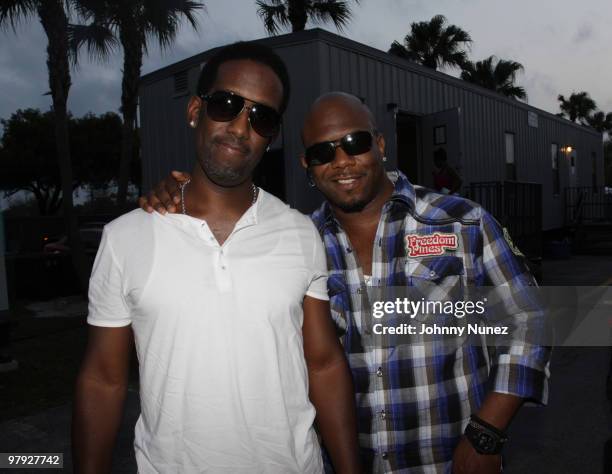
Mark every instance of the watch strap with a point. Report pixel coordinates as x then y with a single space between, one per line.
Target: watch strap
484 437
490 427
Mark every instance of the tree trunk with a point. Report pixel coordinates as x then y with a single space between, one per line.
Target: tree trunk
41 199
297 15
55 23
132 39
55 201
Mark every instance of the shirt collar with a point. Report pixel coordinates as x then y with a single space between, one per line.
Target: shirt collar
250 217
403 190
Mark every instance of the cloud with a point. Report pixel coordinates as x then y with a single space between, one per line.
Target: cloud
526 31
584 33
23 69
542 89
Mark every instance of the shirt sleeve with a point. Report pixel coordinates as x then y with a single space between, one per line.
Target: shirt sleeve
317 287
522 368
107 306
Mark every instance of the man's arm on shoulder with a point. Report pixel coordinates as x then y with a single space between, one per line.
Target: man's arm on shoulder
101 388
331 386
166 195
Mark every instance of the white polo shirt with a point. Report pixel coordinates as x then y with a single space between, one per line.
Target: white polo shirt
218 330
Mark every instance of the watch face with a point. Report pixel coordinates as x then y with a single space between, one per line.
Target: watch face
485 442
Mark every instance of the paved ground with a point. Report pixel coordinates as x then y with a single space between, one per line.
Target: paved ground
567 437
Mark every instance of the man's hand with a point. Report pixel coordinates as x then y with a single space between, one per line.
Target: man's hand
166 196
467 461
497 410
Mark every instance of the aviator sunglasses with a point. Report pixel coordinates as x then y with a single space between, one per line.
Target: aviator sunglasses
224 106
354 143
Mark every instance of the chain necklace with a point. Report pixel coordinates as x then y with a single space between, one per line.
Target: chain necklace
184 185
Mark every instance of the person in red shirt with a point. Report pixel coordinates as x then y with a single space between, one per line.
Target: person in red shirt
445 178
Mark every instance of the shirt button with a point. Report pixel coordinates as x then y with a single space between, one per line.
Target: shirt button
222 267
432 274
385 455
359 290
383 415
379 372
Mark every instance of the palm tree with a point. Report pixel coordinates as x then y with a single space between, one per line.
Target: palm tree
131 23
498 75
278 14
578 107
601 121
434 44
53 16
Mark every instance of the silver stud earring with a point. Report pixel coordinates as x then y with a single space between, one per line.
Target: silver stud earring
309 180
192 124
384 159
268 148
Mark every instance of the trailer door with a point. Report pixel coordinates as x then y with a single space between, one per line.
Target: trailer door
441 130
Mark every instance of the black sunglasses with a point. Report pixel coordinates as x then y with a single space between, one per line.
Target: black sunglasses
224 106
354 143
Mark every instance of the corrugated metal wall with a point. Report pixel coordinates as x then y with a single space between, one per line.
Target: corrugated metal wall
166 138
319 62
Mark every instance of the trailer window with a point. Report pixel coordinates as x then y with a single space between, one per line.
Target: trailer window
554 156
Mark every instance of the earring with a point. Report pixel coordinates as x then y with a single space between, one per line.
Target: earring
268 148
192 124
309 179
384 159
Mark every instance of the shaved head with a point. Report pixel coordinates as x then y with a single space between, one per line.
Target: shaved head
337 101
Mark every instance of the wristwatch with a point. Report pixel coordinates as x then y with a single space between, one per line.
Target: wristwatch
485 438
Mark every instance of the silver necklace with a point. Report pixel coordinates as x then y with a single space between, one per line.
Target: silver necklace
184 185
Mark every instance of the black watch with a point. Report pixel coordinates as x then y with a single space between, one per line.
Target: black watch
485 438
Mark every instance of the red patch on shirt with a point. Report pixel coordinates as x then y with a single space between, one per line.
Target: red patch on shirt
432 244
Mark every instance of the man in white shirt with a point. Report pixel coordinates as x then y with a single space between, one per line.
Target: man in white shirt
227 304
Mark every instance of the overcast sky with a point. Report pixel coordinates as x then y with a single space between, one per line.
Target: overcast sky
564 46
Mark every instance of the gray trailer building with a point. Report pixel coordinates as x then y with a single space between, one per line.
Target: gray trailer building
488 138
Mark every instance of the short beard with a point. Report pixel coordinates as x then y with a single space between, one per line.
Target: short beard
350 207
222 176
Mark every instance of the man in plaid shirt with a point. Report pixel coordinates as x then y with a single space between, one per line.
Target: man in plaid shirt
414 401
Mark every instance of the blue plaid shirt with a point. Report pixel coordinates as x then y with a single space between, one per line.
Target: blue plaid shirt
414 401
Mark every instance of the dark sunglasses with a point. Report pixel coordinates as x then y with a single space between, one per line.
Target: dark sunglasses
224 106
354 143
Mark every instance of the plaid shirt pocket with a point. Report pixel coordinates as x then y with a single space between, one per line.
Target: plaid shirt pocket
436 279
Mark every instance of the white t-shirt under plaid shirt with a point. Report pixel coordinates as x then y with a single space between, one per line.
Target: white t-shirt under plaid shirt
218 332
